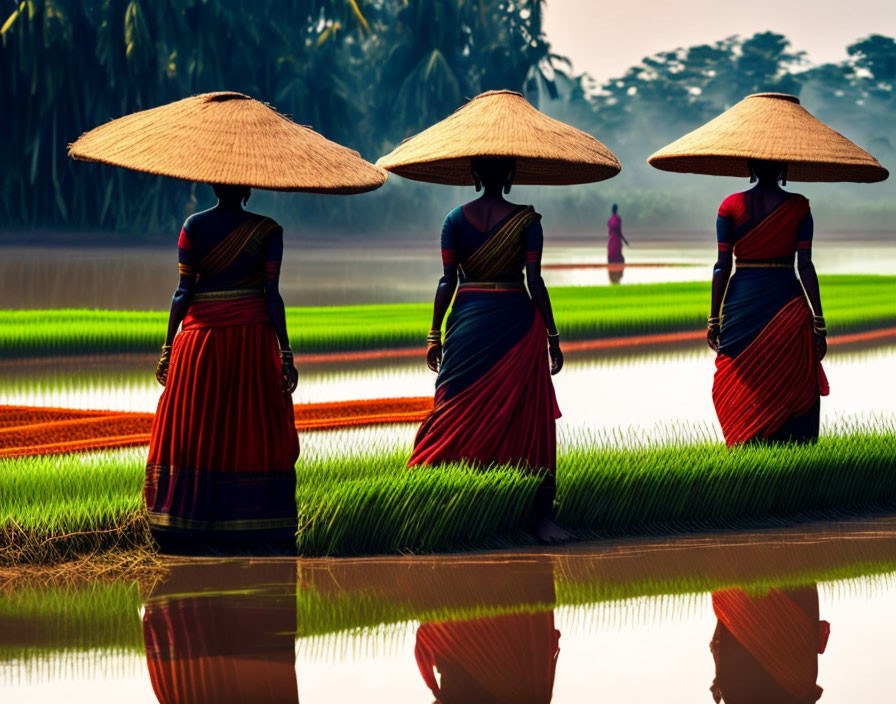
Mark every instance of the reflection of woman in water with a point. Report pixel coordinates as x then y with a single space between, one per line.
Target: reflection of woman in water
615 238
766 647
768 370
223 634
508 659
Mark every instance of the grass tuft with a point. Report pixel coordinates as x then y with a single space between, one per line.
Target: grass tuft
60 507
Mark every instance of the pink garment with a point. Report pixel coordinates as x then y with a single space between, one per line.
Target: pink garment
614 239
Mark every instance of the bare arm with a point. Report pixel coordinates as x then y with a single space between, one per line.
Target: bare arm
180 304
444 295
272 298
273 256
721 273
804 264
539 293
809 279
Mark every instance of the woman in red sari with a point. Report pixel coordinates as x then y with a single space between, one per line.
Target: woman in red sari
766 648
219 633
615 238
769 333
506 659
220 473
494 401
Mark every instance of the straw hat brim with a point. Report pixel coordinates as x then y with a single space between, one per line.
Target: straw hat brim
769 127
502 124
228 138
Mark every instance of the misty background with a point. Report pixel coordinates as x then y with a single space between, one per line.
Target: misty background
368 74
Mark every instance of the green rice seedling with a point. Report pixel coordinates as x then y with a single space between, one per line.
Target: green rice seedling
852 303
55 507
706 485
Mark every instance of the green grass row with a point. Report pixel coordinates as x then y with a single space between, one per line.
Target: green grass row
58 507
852 303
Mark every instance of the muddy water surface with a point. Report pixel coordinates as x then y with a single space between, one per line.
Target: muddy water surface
622 620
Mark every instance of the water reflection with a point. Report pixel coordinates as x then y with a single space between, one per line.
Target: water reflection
506 659
766 647
615 273
223 634
635 616
330 271
647 393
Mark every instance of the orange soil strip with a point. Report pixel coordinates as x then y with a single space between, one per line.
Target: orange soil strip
606 343
26 430
867 336
29 430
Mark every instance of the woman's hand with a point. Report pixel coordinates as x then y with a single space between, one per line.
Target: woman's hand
434 350
554 353
288 372
162 366
713 331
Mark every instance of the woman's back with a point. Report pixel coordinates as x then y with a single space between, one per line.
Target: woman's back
227 248
471 246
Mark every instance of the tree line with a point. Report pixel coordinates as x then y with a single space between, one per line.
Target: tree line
368 73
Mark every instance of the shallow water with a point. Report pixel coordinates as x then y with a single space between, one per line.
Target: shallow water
647 394
634 619
346 272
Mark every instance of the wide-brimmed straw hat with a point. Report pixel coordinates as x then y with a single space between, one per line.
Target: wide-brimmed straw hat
769 127
502 123
228 138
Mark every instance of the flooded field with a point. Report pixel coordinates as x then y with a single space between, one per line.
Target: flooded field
650 394
343 273
789 613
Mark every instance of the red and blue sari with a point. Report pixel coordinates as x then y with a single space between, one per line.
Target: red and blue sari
222 633
494 400
766 647
768 379
221 466
505 659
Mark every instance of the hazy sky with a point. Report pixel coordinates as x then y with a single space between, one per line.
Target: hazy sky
605 37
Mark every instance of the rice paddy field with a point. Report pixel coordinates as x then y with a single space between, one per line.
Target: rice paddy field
853 303
668 523
65 506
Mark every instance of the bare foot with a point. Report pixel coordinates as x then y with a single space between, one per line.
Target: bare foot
550 533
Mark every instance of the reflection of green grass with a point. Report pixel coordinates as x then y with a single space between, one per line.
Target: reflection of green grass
852 302
359 504
44 624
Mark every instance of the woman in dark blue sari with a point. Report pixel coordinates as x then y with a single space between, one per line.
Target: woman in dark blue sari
494 401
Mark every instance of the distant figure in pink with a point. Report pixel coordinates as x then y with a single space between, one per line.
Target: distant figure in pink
615 238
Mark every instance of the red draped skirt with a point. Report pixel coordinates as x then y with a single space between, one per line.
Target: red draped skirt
495 402
776 378
509 659
216 633
224 446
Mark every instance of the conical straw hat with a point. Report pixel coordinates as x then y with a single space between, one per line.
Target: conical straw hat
772 127
502 124
228 138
